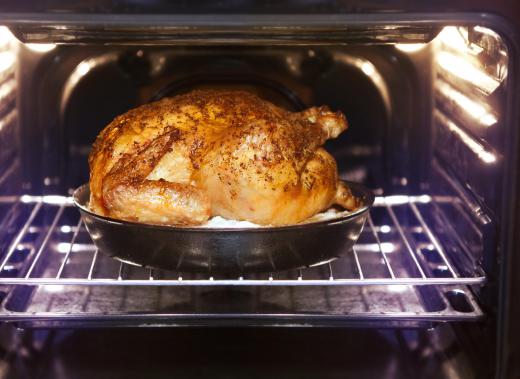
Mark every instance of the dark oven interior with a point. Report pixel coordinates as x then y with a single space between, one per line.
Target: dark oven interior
430 132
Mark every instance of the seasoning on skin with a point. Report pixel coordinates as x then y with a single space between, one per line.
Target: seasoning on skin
181 160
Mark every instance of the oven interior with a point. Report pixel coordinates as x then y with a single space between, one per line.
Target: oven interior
430 132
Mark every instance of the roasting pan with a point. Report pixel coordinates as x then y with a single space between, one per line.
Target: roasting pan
226 250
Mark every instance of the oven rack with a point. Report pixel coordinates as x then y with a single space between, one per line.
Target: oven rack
398 246
405 271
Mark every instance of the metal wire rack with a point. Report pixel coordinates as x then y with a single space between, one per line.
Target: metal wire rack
399 274
397 247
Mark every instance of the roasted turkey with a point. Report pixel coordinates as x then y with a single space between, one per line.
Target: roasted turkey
181 160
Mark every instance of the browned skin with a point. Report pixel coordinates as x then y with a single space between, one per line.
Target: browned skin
181 160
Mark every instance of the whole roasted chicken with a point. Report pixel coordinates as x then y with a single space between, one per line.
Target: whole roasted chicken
181 160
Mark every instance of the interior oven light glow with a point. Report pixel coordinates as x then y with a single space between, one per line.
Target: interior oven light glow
457 39
399 288
479 150
65 229
6 37
469 106
53 288
487 31
7 59
403 199
385 247
83 68
64 247
40 47
465 70
385 229
410 47
56 199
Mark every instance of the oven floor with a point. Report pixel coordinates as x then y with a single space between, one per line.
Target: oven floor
231 353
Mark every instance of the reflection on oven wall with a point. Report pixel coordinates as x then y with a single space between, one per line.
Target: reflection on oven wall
470 72
10 160
468 86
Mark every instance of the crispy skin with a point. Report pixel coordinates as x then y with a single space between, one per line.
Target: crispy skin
181 160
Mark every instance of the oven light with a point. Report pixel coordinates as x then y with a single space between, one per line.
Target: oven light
40 47
467 71
410 47
477 148
474 109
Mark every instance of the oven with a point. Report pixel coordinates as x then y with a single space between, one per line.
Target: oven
428 291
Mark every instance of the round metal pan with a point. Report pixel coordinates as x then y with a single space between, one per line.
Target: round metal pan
226 250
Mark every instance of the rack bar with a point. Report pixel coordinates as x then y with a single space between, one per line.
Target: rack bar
244 282
66 258
45 240
121 271
92 264
406 306
356 258
404 239
376 236
332 275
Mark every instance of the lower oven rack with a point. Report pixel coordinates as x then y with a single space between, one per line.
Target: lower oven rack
399 272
